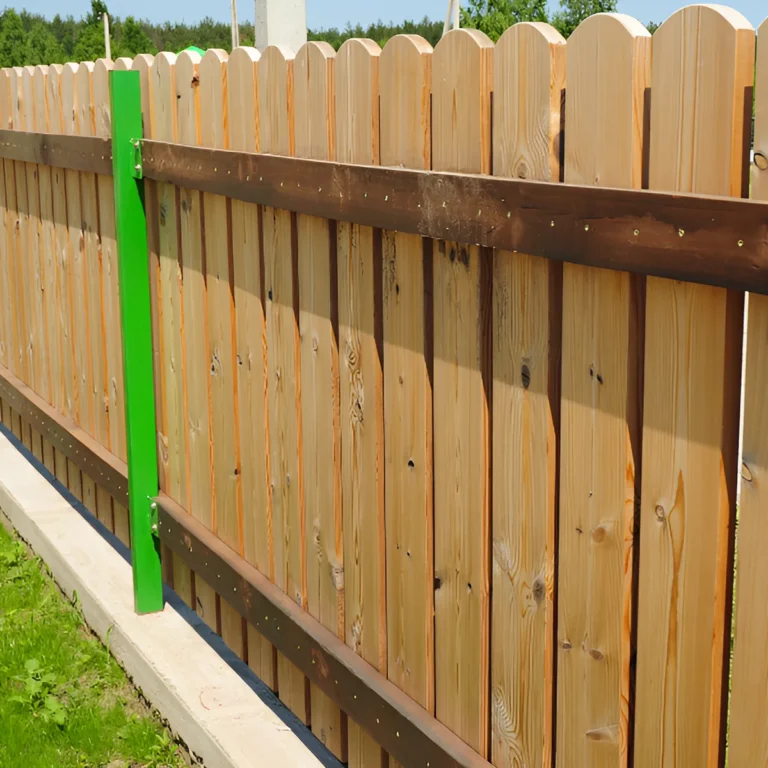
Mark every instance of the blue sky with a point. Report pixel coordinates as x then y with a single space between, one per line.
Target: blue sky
336 13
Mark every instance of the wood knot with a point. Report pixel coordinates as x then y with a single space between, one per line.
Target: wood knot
566 645
761 161
539 591
661 515
525 374
596 654
746 473
598 534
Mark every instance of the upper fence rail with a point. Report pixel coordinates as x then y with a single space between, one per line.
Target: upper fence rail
720 241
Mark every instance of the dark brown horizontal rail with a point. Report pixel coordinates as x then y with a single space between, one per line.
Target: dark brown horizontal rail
79 153
97 462
713 240
405 730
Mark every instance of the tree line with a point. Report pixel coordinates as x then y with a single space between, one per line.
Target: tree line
28 38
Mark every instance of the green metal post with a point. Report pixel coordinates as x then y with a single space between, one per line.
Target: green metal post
135 312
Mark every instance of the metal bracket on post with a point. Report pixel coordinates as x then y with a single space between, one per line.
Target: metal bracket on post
153 519
138 168
135 314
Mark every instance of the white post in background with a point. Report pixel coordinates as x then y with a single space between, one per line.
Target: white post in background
452 17
107 44
281 22
235 28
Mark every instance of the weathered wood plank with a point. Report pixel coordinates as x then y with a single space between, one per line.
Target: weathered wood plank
703 68
529 75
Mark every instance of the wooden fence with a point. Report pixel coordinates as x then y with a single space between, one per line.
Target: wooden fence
509 484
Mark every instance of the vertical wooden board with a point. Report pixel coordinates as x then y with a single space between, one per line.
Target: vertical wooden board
81 375
320 422
529 76
104 510
250 344
51 334
221 328
24 239
607 72
37 444
702 71
748 735
276 124
39 376
14 232
195 333
85 125
361 385
6 318
170 310
462 76
113 360
49 460
405 136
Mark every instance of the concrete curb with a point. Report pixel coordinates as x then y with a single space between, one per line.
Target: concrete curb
207 702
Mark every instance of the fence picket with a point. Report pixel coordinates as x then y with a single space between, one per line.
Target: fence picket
360 375
748 736
275 76
250 345
195 340
406 84
608 67
529 75
703 59
320 424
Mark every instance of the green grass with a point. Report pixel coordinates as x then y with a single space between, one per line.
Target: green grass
64 701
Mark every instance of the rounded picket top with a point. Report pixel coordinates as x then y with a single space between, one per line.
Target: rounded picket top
462 73
28 89
312 93
188 96
689 131
608 72
242 96
40 87
53 96
405 83
357 102
86 121
69 98
275 108
213 131
143 65
529 77
102 107
123 64
163 97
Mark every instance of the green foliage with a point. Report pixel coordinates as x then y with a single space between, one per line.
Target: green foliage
39 694
573 12
494 16
27 38
64 701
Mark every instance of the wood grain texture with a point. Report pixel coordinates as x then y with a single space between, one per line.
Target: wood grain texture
529 75
748 735
361 395
608 68
703 59
85 125
53 209
462 78
39 374
250 345
115 400
221 328
14 298
314 104
276 123
406 84
24 238
196 344
170 310
6 248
